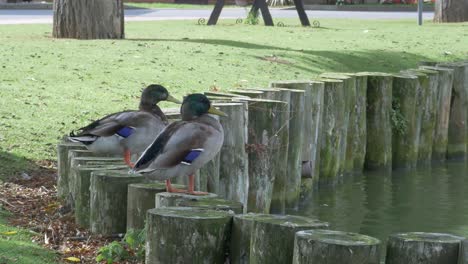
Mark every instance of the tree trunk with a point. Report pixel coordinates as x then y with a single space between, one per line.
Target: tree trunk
450 11
330 247
88 19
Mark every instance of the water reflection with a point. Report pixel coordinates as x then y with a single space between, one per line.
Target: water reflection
429 199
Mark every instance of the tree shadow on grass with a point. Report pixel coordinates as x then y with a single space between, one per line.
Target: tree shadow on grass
324 60
18 168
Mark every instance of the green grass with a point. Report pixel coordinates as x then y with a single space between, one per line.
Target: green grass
50 86
18 248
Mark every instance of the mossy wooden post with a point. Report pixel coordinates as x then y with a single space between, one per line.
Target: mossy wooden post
463 254
279 152
140 198
444 94
332 125
332 247
360 125
180 235
405 121
293 175
457 131
209 201
346 149
423 248
81 176
379 107
428 118
272 238
266 150
165 199
267 93
72 155
242 226
224 94
63 166
80 161
108 200
313 105
247 93
234 172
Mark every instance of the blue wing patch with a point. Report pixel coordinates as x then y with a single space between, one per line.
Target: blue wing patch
191 156
125 132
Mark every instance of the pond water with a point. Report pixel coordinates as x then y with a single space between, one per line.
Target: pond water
429 199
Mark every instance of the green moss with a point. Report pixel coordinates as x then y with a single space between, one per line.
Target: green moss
337 237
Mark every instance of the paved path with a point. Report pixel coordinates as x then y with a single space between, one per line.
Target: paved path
45 16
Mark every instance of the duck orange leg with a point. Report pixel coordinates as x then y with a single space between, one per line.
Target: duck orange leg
127 157
191 187
170 189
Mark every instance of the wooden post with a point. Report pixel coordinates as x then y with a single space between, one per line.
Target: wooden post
140 199
346 151
463 254
267 93
242 226
224 94
209 176
427 248
281 132
180 235
81 178
313 106
359 127
165 199
330 247
247 93
108 200
72 155
63 166
444 94
428 118
405 121
291 181
267 150
331 135
208 202
272 239
379 106
457 131
234 172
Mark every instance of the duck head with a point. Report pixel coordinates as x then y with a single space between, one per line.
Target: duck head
156 93
196 105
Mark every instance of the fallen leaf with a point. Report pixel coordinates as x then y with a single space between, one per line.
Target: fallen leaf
73 259
9 233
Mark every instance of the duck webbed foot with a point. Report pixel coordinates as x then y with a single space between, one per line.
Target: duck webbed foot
191 187
170 189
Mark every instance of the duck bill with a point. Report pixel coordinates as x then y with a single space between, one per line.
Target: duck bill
215 111
170 98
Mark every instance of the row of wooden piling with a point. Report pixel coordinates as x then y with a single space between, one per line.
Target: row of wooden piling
340 124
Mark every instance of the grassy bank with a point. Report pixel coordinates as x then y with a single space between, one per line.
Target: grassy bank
49 87
16 246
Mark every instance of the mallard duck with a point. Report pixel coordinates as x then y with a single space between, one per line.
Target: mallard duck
127 132
184 146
